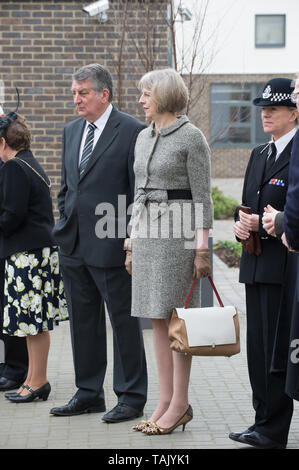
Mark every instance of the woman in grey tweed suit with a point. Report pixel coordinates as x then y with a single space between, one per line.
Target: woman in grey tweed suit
172 205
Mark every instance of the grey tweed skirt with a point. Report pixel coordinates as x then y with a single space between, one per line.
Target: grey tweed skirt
162 271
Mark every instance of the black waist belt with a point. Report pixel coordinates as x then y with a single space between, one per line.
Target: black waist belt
179 194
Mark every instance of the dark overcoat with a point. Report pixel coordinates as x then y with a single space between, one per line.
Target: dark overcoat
274 265
291 228
259 190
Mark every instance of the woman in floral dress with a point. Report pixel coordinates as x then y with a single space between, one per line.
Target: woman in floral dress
33 291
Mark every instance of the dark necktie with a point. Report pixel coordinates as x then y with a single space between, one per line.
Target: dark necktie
87 150
271 157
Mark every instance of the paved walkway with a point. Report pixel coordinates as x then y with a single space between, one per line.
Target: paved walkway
219 393
223 229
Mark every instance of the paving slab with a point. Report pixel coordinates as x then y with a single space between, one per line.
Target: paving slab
220 395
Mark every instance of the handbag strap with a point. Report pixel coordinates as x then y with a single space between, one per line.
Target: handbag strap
214 289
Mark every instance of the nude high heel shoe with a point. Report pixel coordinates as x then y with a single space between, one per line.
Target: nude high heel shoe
154 429
140 426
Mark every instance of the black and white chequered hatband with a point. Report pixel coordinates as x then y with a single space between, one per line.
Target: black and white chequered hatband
277 91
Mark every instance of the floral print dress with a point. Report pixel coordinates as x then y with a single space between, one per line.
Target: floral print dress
34 297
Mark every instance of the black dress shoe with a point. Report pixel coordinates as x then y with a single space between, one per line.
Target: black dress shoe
77 407
11 394
237 436
121 412
256 439
41 392
7 384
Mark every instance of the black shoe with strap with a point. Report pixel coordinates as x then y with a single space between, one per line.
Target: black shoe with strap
41 392
11 394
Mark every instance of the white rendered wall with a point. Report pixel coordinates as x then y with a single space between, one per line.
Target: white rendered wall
228 37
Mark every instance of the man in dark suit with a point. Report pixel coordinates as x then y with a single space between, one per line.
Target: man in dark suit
97 173
291 240
14 368
291 215
266 182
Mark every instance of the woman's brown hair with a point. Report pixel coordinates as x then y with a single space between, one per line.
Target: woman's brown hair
17 134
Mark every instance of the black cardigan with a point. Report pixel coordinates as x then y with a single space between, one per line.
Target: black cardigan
26 214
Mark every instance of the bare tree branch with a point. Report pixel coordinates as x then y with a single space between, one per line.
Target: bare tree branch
120 55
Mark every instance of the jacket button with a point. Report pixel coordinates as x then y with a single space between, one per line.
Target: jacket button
258 193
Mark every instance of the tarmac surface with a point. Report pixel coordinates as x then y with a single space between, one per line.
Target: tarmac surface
220 392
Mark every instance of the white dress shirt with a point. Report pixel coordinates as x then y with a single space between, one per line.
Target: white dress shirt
281 143
100 123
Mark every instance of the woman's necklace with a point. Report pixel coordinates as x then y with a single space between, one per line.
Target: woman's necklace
36 172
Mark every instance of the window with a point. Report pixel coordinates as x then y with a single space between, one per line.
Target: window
235 121
270 30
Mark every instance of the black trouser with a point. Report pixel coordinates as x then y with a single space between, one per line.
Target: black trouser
87 288
15 350
273 407
292 382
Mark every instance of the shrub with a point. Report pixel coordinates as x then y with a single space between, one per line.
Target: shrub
234 247
224 207
229 252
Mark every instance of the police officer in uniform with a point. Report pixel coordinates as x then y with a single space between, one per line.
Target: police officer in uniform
263 270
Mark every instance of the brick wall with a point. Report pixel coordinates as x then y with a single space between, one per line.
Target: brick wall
43 42
226 162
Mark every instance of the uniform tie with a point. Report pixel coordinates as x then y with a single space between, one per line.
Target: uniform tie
87 150
271 157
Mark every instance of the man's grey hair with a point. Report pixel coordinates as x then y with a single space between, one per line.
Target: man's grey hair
99 75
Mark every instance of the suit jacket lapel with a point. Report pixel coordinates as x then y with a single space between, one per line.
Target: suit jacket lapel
260 163
107 137
75 149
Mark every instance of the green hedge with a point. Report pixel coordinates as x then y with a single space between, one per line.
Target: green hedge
234 248
224 207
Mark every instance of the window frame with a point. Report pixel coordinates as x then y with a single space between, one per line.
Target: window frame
271 46
254 116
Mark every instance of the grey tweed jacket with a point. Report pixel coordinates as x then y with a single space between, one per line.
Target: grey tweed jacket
176 158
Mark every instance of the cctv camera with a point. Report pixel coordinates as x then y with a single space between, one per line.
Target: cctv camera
96 8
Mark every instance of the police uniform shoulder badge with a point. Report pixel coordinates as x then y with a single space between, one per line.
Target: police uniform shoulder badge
267 92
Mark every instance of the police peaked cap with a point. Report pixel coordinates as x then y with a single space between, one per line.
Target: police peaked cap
277 92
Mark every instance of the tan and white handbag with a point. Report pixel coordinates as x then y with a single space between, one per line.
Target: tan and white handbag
207 331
